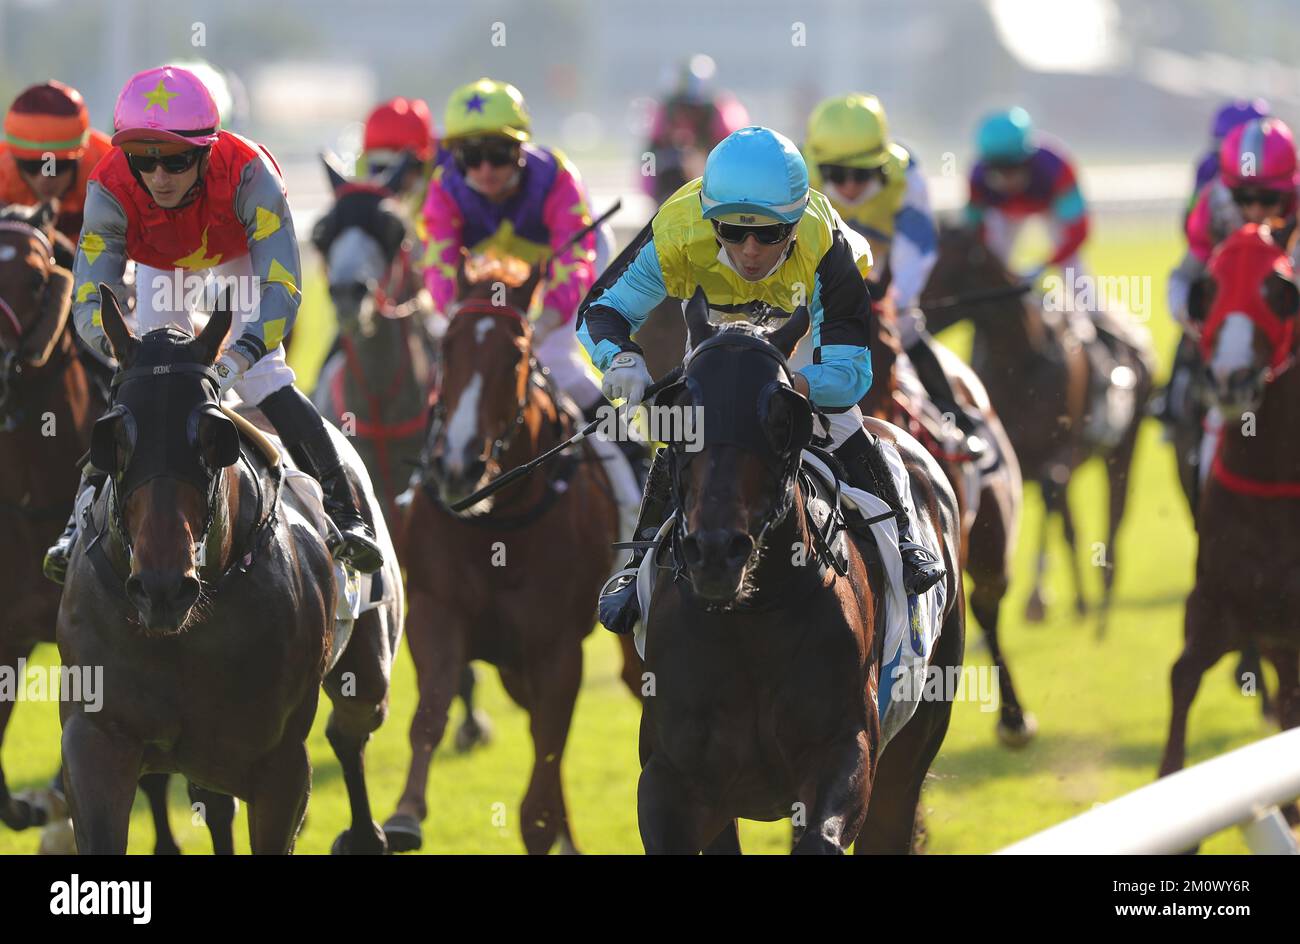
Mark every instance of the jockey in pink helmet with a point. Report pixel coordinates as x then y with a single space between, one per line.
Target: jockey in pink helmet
193 205
1257 183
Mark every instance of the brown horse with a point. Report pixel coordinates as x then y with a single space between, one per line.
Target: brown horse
1047 386
205 596
990 524
1248 564
47 408
766 662
514 581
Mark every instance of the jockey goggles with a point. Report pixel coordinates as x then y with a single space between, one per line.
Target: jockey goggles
36 166
497 152
172 163
838 174
1245 196
768 235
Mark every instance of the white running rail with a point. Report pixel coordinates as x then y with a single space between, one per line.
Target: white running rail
1240 789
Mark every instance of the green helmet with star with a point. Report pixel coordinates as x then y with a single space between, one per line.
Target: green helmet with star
487 107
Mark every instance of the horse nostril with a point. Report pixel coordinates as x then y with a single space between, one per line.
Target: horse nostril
739 548
187 593
691 550
135 592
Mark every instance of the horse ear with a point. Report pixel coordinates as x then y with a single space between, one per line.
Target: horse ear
333 171
698 328
1282 295
119 335
786 337
214 333
522 297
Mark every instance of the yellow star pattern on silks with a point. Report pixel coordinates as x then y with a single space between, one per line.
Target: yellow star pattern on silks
278 273
560 272
92 244
433 257
199 258
87 289
267 223
159 97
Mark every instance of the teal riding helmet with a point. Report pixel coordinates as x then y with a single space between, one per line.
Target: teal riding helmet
753 173
1006 136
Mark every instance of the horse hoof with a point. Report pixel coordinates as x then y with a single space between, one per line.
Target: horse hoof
474 731
403 833
363 842
57 838
1017 736
1035 610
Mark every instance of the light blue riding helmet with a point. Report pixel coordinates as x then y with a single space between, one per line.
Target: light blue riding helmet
754 172
1006 136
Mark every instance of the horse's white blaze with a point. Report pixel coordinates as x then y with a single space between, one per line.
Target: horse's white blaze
482 328
355 256
463 424
1234 348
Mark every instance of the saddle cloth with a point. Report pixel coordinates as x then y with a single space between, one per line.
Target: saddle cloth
911 624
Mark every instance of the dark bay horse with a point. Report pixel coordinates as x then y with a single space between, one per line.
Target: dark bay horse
47 409
377 384
1041 381
203 592
513 581
1248 561
990 520
766 666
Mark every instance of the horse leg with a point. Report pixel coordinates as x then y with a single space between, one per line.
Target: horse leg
1062 501
278 800
1250 674
727 841
1203 645
1118 465
891 825
439 658
358 690
1287 663
217 811
1036 606
15 813
553 689
839 798
476 729
1016 727
101 770
671 821
154 788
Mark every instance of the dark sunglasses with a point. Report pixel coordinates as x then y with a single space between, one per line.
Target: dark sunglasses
1244 197
36 166
768 235
496 153
172 163
837 174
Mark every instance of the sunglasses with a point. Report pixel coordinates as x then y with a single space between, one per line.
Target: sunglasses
1261 197
836 174
768 235
39 167
172 163
496 153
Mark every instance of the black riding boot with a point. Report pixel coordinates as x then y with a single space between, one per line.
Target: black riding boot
935 381
618 609
867 469
55 565
308 441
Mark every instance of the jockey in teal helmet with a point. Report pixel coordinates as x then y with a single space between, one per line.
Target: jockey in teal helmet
758 241
1004 137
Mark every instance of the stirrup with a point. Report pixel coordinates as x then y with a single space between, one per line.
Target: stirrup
354 544
616 582
617 608
921 569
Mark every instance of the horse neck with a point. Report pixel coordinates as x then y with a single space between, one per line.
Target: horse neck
534 437
1269 451
381 365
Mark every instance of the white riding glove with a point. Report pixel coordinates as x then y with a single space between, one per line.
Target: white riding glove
229 367
627 378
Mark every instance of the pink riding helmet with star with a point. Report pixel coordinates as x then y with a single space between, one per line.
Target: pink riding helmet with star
166 104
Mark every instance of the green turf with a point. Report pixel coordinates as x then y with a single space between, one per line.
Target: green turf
1102 706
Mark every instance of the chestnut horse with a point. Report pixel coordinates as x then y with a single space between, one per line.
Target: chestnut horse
204 594
1041 382
514 580
1248 564
766 663
989 529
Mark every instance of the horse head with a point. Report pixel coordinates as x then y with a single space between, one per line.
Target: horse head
737 479
165 443
360 238
482 393
1248 305
35 299
964 264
